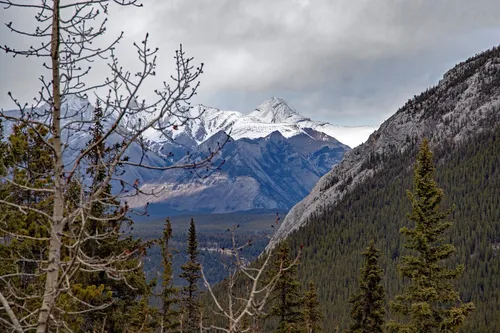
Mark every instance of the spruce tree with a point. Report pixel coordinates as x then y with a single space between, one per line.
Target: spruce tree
169 315
287 298
368 303
191 272
312 314
429 303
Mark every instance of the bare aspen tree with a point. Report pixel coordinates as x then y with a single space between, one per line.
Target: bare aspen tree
67 39
235 306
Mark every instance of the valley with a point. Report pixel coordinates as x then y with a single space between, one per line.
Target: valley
213 236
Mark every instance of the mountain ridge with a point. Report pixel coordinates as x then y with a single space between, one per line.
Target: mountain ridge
466 99
274 114
272 161
273 172
377 208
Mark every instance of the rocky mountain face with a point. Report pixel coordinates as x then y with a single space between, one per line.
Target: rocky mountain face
271 162
465 102
263 173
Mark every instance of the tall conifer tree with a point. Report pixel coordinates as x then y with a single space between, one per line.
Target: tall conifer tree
129 309
312 314
287 299
429 303
26 161
191 272
368 303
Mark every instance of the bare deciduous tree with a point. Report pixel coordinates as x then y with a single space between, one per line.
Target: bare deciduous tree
65 38
235 306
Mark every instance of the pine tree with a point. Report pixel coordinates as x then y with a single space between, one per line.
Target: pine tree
287 299
429 302
191 272
312 314
169 315
368 303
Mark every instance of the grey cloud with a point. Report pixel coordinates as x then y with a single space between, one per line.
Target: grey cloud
343 61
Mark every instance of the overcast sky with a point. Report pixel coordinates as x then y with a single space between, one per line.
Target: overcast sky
349 62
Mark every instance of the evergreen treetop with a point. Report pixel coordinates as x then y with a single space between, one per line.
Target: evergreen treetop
287 300
429 303
312 313
169 294
368 303
191 272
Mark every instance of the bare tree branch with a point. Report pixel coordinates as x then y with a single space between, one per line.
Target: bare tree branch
15 322
252 303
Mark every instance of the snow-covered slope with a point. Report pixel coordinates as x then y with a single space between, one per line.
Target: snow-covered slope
278 111
274 114
274 159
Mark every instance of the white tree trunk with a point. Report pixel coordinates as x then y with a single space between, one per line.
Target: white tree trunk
52 277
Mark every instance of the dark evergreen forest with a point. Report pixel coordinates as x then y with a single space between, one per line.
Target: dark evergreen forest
333 239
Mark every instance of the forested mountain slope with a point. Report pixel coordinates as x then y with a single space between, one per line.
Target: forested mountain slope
368 201
333 238
465 102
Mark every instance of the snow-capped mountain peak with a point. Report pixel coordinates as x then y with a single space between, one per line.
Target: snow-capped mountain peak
276 110
274 114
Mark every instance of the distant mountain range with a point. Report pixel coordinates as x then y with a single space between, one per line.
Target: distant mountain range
274 114
273 159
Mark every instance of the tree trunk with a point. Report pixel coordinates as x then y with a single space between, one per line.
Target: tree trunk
50 290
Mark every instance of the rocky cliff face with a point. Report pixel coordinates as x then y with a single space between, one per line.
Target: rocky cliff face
264 173
466 100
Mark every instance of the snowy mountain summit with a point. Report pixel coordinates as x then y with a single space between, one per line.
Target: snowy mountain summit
272 115
275 157
276 110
